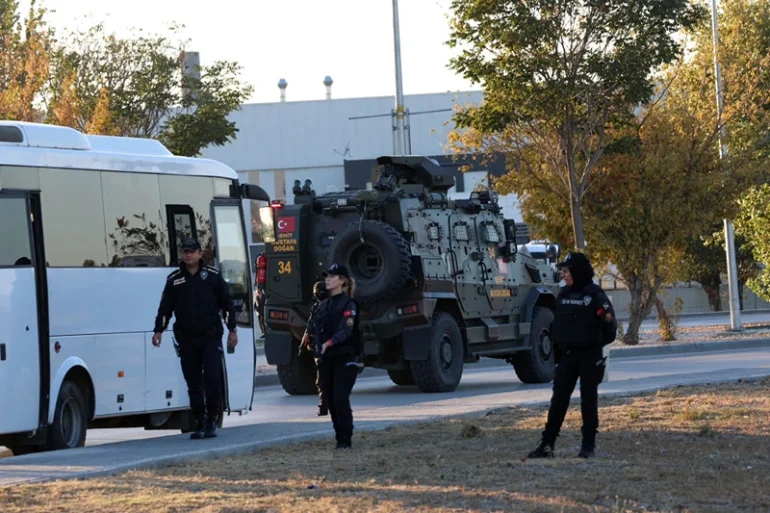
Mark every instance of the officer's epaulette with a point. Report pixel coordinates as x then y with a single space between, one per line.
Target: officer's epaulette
173 274
212 269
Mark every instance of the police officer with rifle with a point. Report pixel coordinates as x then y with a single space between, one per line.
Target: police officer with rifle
337 344
196 294
584 322
319 294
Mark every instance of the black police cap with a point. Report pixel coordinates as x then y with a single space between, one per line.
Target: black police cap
337 270
191 245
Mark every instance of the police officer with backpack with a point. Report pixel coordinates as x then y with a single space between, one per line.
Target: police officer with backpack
584 322
337 343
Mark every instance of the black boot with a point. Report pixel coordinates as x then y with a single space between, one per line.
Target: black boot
588 445
344 443
211 429
544 450
323 410
200 425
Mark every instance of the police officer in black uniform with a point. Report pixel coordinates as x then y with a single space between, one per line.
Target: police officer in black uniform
319 294
584 322
196 294
337 343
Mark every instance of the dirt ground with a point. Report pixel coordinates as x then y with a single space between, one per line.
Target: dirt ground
688 449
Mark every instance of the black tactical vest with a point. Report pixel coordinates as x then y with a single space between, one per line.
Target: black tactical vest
576 323
330 316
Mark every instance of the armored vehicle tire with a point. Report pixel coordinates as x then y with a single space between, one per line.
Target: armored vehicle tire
298 377
381 265
536 365
443 369
402 378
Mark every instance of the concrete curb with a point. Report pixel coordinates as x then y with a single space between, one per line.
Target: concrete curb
253 447
694 315
270 380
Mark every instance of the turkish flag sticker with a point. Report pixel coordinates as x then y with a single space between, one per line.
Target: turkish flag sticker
286 224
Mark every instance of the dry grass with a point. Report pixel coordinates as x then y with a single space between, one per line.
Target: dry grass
687 449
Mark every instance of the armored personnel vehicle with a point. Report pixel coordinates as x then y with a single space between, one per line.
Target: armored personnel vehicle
440 282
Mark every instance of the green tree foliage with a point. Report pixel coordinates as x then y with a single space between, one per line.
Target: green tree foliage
705 262
560 78
136 87
754 224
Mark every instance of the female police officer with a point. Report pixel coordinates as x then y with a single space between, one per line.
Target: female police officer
584 322
337 346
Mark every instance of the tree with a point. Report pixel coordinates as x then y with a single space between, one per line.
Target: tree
704 262
136 87
24 61
744 27
648 201
560 78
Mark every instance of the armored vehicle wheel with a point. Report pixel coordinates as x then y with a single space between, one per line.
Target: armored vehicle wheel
443 369
381 265
536 365
298 377
402 378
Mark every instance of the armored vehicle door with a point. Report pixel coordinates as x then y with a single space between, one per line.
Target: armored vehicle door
287 270
499 283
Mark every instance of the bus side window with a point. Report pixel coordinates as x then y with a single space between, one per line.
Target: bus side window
181 226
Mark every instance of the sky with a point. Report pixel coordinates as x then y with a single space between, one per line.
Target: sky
301 41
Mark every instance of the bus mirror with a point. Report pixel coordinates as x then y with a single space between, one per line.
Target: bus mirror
254 192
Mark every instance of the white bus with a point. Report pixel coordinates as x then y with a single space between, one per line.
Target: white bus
90 228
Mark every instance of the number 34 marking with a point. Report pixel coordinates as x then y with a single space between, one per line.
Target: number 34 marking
284 267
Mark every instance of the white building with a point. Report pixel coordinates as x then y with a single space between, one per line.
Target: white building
331 141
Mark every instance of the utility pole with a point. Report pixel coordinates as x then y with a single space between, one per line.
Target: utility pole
732 266
399 139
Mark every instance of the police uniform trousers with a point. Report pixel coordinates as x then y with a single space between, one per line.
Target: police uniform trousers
589 365
201 359
337 377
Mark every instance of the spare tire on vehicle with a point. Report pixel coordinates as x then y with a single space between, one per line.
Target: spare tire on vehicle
381 265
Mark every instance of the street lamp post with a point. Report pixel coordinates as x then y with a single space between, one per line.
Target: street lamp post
399 139
732 267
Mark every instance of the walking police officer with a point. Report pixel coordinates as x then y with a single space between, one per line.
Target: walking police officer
196 294
319 294
584 322
337 342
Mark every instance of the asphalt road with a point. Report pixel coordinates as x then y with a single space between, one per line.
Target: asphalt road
377 403
377 397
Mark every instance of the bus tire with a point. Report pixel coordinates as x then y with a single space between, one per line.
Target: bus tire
70 421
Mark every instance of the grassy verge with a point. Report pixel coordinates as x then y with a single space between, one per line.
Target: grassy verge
703 448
